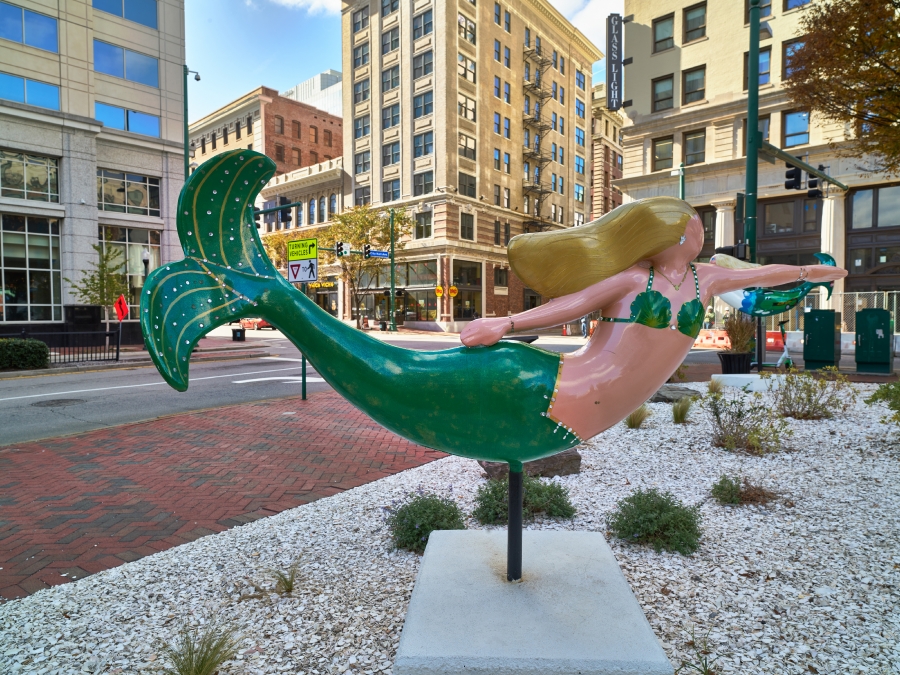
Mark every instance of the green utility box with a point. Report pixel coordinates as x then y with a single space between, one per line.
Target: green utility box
874 341
821 339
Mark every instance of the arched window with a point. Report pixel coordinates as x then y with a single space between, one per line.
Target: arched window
299 213
332 204
312 211
322 217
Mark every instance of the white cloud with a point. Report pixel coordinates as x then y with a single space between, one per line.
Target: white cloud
313 6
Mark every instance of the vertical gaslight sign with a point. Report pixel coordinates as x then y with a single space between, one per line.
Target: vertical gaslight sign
613 62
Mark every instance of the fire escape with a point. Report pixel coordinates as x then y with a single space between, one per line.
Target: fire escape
536 121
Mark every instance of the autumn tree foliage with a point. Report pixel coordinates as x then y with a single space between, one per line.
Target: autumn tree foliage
848 71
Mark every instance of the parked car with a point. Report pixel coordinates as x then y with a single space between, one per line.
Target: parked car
256 324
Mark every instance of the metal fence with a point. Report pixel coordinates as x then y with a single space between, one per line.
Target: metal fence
796 315
851 303
78 347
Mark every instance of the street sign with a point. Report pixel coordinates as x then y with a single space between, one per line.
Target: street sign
121 308
613 62
439 291
379 254
303 260
453 291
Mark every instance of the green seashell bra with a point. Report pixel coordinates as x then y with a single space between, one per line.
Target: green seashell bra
653 309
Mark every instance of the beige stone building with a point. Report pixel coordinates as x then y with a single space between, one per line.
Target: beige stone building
476 118
91 134
606 154
687 87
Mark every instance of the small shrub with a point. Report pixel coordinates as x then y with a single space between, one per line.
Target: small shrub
28 354
681 409
201 652
805 396
492 500
741 330
285 581
656 518
755 494
715 386
636 419
727 490
413 522
744 423
890 395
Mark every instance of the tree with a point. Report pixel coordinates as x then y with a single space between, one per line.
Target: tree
848 70
276 245
357 227
105 282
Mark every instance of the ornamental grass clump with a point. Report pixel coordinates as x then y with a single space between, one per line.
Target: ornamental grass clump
733 490
741 330
550 498
656 518
714 386
636 419
744 423
412 523
285 580
889 394
201 652
810 396
681 409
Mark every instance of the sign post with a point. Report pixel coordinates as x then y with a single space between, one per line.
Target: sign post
613 62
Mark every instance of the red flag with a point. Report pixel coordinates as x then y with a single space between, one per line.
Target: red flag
121 308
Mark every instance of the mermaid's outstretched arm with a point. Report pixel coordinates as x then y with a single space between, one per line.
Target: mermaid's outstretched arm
566 309
723 280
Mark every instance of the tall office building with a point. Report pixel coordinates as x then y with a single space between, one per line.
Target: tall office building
606 154
476 118
323 91
91 141
688 86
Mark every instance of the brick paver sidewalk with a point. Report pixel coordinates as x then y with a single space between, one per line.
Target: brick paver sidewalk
77 505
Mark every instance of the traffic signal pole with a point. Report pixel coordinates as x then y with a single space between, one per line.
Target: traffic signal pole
393 280
754 139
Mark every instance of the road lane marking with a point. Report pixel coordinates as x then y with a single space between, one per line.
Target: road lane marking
146 384
291 380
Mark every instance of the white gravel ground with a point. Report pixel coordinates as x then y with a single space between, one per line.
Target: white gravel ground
808 584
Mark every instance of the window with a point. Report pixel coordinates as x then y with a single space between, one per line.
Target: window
580 80
466 146
423 24
423 225
497 159
496 87
695 22
765 9
139 11
389 6
876 207
506 95
361 55
31 268
423 144
793 4
127 193
362 162
553 182
390 190
579 108
466 185
423 64
527 37
579 137
796 129
127 120
29 177
314 133
788 49
554 121
313 157
497 50
496 123
465 107
29 28
694 85
423 104
765 66
763 128
554 92
501 275
295 130
497 12
662 153
465 68
555 60
312 211
327 138
390 78
361 91
506 128
579 218
390 40
32 92
362 195
553 152
237 130
360 19
361 127
562 95
562 155
506 198
497 195
249 124
695 147
118 62
279 125
279 153
322 217
296 156
390 153
423 183
390 116
562 65
467 226
466 28
579 193
506 162
562 125
506 56
579 165
663 33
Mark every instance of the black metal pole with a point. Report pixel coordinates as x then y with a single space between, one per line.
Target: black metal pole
514 533
760 344
119 341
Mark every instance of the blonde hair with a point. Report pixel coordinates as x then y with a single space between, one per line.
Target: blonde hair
561 262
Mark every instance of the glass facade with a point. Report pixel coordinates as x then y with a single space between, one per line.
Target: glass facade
127 193
131 243
30 269
29 177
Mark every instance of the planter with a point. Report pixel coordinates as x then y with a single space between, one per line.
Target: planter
735 364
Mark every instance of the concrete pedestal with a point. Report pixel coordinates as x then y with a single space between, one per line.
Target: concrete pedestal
751 382
573 612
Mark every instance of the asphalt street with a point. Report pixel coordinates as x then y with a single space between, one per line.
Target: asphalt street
50 405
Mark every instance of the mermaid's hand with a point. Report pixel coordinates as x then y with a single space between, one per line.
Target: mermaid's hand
820 273
484 332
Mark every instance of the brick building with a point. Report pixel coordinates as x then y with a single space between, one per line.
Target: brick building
606 154
293 134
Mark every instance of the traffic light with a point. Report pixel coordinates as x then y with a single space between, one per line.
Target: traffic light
285 214
399 293
339 249
387 292
812 185
793 177
256 217
367 251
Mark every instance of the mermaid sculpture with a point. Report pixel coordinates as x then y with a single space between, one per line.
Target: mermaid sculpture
489 400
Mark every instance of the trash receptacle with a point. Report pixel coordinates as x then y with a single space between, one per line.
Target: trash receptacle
238 334
874 341
383 325
821 339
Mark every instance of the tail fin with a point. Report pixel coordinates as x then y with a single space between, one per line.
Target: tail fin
183 301
826 259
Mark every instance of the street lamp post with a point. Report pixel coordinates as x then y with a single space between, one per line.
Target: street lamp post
145 258
187 143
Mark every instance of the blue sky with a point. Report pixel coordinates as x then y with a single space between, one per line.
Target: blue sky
238 45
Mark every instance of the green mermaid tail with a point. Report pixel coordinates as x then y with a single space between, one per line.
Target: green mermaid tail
487 403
